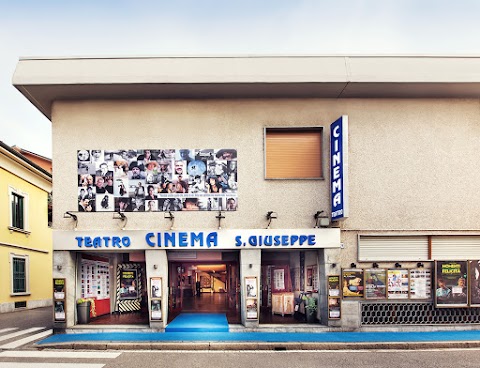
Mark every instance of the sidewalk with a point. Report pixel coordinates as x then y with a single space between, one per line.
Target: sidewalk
262 340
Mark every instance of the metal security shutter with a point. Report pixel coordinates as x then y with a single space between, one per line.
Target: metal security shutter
455 247
392 248
293 153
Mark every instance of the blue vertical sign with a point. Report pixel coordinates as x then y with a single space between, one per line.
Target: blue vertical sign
339 168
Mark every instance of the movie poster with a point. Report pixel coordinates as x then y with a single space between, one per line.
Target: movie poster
128 284
151 180
420 283
156 310
59 310
353 286
375 283
156 285
252 309
451 288
334 310
398 284
59 288
475 283
251 287
334 285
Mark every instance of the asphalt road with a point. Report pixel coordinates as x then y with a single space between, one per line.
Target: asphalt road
20 358
28 318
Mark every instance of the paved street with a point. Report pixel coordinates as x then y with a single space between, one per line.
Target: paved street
234 359
19 330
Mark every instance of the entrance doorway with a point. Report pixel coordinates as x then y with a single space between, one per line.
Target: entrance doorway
204 287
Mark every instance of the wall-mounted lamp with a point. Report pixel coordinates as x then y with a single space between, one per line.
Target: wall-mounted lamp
419 264
69 214
321 220
59 267
375 265
155 266
169 215
219 218
353 265
121 216
334 265
250 265
270 216
398 265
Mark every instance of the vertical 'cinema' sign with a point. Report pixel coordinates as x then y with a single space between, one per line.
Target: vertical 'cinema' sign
339 168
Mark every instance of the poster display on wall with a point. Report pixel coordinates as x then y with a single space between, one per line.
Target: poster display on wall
59 299
334 285
375 283
251 297
334 309
150 180
58 288
251 287
156 310
252 309
451 283
128 284
59 310
474 281
95 279
156 287
353 286
420 283
398 284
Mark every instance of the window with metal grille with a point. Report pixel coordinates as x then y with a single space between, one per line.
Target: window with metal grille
17 211
19 275
293 153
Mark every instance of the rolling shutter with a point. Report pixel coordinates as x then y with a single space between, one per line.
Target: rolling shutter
293 153
392 248
455 247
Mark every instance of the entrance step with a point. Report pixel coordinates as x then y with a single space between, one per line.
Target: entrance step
198 322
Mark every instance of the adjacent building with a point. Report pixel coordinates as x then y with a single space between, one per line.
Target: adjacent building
25 237
340 191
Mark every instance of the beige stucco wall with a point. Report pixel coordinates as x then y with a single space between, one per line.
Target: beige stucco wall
412 163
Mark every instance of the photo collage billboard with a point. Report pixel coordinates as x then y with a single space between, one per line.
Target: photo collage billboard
150 180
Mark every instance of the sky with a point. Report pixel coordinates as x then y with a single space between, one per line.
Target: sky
217 27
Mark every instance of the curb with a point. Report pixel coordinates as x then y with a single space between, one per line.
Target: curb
265 346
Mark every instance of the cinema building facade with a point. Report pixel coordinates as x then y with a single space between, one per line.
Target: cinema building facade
335 192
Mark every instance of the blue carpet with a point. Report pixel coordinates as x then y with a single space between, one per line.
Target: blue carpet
198 322
267 337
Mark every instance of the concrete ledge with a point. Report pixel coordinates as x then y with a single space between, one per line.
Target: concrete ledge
234 346
267 346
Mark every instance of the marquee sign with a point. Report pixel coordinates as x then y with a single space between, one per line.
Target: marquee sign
196 240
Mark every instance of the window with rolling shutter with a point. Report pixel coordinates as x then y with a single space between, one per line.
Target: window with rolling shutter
293 153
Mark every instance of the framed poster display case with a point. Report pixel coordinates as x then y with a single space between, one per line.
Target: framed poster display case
398 283
59 293
334 308
375 283
353 286
451 288
156 299
474 282
334 297
251 297
420 283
